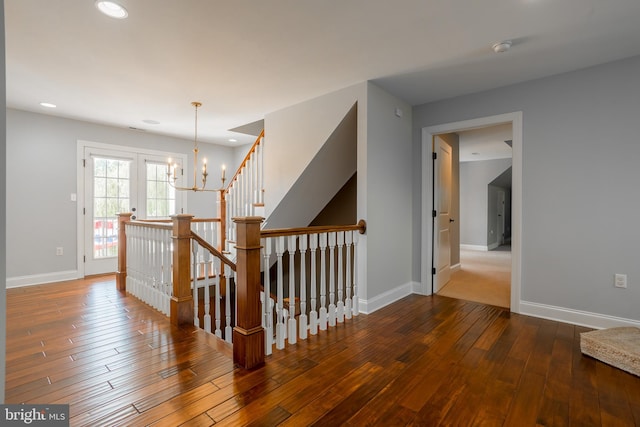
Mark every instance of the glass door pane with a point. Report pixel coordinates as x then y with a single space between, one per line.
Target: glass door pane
160 196
111 195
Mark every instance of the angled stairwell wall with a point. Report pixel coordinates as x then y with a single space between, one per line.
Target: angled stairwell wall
323 177
305 166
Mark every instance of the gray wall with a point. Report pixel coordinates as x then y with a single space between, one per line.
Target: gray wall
474 209
3 223
389 194
41 175
580 180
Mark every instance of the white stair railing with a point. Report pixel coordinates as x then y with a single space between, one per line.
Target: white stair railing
244 195
149 263
212 287
335 281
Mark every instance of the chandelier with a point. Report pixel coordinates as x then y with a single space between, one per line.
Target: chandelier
172 176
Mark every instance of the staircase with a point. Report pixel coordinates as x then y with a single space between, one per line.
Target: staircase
220 279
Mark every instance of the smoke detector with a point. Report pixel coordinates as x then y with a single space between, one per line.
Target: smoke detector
501 47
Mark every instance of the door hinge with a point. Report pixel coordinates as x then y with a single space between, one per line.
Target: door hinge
435 156
433 214
84 258
433 271
182 210
84 163
84 211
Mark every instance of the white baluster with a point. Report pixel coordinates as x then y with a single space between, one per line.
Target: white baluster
144 294
332 280
292 333
218 314
168 281
230 201
207 296
280 328
228 329
153 294
267 323
356 298
157 272
249 194
270 308
347 302
323 282
340 305
302 244
194 272
267 320
313 314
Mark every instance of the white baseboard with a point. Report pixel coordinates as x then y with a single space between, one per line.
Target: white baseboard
493 246
455 267
474 247
575 317
38 279
388 297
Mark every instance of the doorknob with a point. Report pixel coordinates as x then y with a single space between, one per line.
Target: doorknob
451 220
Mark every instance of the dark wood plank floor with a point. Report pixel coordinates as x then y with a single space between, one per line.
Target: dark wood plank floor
422 361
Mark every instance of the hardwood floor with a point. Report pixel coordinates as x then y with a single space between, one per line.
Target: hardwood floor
422 361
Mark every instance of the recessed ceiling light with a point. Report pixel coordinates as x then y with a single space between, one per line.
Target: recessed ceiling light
112 9
502 46
151 122
48 105
233 140
475 153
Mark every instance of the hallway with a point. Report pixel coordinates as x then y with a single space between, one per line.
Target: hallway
484 276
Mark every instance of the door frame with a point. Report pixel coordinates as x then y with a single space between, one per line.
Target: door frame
82 145
426 261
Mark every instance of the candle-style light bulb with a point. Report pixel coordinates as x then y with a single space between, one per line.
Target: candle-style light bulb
224 168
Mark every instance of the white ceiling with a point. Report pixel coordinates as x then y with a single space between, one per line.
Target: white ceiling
486 143
243 59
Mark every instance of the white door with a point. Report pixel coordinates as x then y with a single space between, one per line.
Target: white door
443 191
117 182
110 188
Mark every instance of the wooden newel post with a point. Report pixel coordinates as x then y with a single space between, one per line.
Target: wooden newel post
181 311
248 335
121 274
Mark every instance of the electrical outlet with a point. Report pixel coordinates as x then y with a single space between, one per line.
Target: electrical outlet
59 251
620 281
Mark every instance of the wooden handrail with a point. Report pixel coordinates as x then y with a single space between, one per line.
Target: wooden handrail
152 224
213 250
168 221
361 227
246 159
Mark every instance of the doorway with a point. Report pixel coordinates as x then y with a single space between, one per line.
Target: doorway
113 180
430 247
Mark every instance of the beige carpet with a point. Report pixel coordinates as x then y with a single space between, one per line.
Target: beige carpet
619 347
484 276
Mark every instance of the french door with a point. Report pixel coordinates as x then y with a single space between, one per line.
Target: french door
117 182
